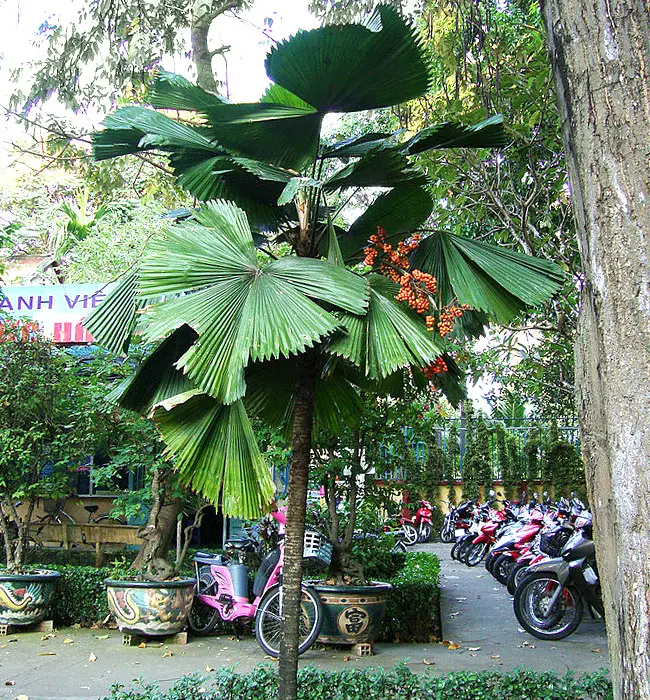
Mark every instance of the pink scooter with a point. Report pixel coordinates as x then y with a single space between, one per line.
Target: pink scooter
222 592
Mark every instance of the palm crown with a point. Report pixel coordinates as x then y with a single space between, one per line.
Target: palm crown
225 329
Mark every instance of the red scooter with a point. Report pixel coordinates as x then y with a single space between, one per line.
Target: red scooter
418 528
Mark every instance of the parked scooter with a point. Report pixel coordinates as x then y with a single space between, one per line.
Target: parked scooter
549 602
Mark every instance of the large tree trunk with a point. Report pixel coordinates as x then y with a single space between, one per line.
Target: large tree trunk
295 530
204 12
601 59
159 530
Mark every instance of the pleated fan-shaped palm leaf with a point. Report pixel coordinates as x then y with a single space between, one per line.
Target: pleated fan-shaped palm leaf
218 321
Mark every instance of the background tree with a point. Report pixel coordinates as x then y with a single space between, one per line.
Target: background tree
297 336
45 429
110 48
600 57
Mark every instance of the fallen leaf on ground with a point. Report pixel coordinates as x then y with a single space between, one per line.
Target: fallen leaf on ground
166 654
142 645
22 697
76 626
48 636
495 656
596 651
473 648
102 636
46 653
426 662
520 630
10 682
209 669
67 640
347 658
92 657
202 690
453 647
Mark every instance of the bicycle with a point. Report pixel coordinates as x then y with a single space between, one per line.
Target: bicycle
56 515
221 592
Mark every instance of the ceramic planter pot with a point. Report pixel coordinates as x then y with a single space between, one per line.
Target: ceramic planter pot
24 598
148 607
352 614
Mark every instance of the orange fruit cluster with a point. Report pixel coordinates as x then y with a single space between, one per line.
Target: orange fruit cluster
437 367
412 294
393 260
448 318
415 285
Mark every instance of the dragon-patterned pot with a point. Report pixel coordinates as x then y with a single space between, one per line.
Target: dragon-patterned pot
149 607
352 614
24 598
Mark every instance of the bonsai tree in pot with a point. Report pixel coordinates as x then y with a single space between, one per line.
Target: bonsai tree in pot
235 337
150 598
45 427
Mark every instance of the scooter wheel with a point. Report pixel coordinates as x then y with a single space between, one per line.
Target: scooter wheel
424 532
531 607
516 576
410 534
502 567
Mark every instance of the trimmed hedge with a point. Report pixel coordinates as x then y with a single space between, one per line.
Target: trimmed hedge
398 684
80 596
413 610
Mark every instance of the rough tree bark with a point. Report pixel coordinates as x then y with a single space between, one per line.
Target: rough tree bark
295 529
158 532
600 53
204 12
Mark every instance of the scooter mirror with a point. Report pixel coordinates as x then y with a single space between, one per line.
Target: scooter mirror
492 492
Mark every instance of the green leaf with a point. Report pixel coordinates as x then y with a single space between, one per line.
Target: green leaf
223 178
284 135
171 91
384 166
485 276
353 67
215 449
157 378
290 191
399 212
486 134
271 396
241 312
390 336
113 321
334 255
356 146
133 129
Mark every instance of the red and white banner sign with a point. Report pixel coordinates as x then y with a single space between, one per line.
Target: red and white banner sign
59 309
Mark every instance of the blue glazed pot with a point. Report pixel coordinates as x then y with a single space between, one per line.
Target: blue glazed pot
352 614
24 598
148 607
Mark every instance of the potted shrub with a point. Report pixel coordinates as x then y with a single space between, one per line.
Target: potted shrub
44 428
354 606
151 598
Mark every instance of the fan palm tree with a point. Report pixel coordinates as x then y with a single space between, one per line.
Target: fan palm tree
237 332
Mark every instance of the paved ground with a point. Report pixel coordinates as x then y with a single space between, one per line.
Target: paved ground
477 616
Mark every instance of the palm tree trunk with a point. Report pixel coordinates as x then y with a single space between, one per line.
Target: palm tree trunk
295 530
